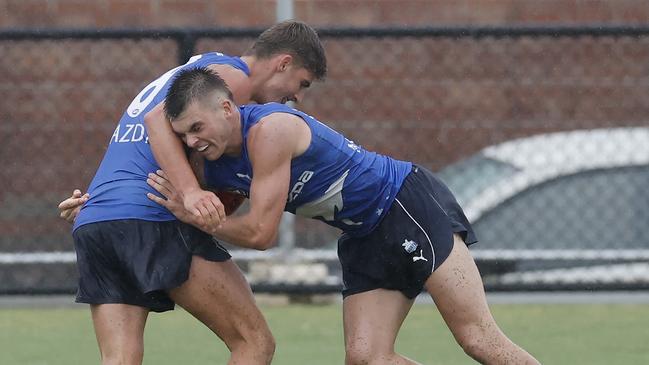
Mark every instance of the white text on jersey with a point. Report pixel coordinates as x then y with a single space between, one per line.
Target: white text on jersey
129 133
299 184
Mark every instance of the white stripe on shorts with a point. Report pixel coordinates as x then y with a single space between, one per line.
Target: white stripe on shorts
432 249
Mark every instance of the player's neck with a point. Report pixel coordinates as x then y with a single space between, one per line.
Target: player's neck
260 70
235 142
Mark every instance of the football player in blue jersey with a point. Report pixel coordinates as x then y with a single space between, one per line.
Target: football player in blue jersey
403 231
134 256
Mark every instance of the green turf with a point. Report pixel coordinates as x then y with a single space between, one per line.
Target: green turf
556 334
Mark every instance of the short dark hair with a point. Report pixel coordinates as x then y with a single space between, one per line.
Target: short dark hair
191 85
297 39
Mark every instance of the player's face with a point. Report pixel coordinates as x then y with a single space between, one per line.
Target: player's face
286 85
204 127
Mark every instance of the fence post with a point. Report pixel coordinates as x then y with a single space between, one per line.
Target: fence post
186 46
284 11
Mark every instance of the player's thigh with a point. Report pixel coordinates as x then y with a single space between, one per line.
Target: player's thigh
372 319
217 294
457 289
119 327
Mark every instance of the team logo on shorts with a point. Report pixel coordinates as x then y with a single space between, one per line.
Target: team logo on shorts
420 257
409 246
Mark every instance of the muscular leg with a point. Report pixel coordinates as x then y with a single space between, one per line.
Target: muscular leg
218 295
120 332
371 321
456 287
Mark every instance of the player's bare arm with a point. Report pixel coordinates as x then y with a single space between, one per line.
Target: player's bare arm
173 201
272 143
168 151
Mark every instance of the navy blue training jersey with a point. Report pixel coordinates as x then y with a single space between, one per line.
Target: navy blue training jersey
334 180
118 190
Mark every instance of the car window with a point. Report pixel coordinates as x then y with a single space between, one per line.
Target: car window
469 177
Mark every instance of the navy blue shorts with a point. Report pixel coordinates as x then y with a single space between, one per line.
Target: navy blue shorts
414 237
135 261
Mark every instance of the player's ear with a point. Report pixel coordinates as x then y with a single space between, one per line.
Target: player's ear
285 60
228 106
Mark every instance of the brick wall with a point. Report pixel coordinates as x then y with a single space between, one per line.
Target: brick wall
431 100
245 13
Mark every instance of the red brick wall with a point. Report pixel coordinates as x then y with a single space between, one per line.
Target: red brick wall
245 13
431 100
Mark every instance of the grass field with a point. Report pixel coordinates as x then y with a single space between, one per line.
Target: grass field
312 335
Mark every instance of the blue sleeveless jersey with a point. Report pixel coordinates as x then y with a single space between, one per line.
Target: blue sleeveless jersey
118 190
334 180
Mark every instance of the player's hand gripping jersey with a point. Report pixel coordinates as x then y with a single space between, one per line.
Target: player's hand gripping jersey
334 180
118 190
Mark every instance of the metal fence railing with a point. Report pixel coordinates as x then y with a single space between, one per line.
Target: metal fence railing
541 132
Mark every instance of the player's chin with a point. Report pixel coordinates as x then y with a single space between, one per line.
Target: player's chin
211 155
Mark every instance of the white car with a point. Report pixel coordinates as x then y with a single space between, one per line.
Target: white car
566 209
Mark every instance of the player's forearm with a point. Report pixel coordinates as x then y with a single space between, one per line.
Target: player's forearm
168 151
248 232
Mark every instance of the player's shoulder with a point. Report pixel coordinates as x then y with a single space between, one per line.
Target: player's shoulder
272 110
237 80
279 127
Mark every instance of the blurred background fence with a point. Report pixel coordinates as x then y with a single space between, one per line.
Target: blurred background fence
542 132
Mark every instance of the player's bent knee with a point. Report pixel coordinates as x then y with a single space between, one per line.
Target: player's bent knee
474 348
258 344
480 342
261 337
265 345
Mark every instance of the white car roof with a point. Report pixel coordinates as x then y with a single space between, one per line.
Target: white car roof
547 156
